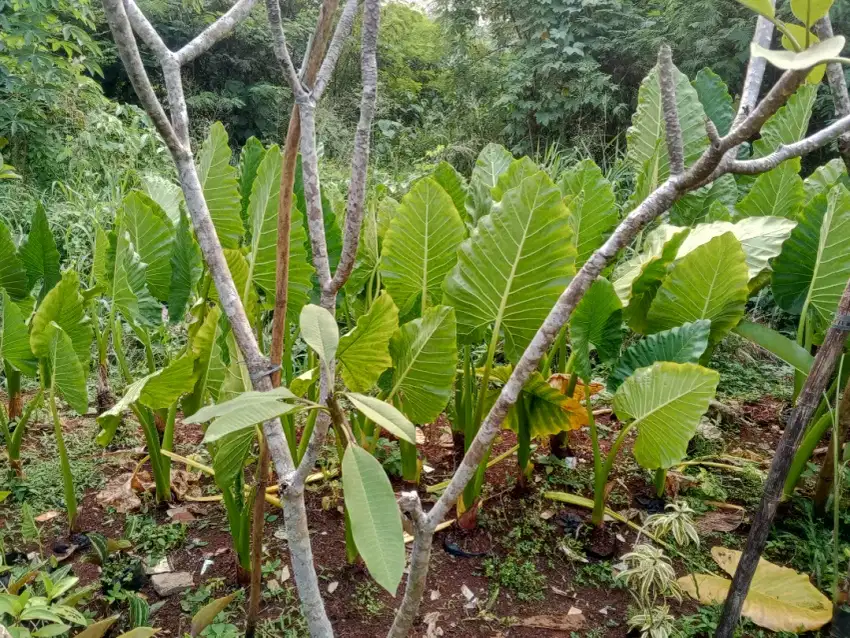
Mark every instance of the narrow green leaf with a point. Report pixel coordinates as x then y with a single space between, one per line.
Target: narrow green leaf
319 330
596 323
206 614
384 415
221 188
39 253
375 518
14 337
364 352
13 275
777 344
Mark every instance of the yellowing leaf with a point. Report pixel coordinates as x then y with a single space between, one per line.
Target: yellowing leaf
764 7
810 11
780 599
793 61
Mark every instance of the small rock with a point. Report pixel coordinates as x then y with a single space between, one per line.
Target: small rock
273 585
558 591
206 565
162 567
172 583
280 534
284 573
435 594
47 516
604 610
467 592
546 514
332 587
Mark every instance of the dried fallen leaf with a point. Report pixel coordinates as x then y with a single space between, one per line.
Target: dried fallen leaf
143 482
431 629
185 483
46 516
119 494
332 586
720 521
573 620
180 515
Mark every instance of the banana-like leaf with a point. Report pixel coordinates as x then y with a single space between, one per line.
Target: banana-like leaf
665 402
64 306
761 239
14 337
206 614
512 270
491 163
375 517
364 352
813 268
682 344
710 282
384 415
185 269
597 322
424 354
420 247
716 101
593 208
789 124
319 330
779 598
221 187
778 193
518 170
777 344
453 183
68 377
262 222
165 193
797 61
252 154
39 253
152 235
650 264
13 274
645 138
824 178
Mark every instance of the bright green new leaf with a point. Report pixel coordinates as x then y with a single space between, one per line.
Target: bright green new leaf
597 322
518 170
651 263
777 344
778 193
375 519
13 275
813 268
665 402
247 416
716 101
262 222
764 7
68 377
682 344
511 271
206 614
168 384
424 354
491 163
221 188
384 415
14 337
152 235
589 197
810 11
824 178
319 330
39 253
789 124
364 352
165 193
453 183
63 306
252 154
185 269
420 247
710 282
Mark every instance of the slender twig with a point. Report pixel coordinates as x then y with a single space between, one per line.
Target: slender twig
217 31
281 50
343 29
667 82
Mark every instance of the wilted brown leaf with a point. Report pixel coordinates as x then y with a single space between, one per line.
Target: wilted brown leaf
573 620
727 520
561 382
119 494
46 516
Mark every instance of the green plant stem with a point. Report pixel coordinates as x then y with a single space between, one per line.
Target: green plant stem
64 463
163 482
168 443
307 434
13 388
807 447
660 481
118 347
601 478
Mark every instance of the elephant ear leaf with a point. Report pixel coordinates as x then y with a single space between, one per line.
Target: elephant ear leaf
221 187
64 307
39 253
185 269
13 274
682 344
420 247
779 193
491 163
513 269
779 598
364 352
262 221
714 96
375 517
710 283
664 403
14 337
593 208
152 235
597 322
68 377
453 183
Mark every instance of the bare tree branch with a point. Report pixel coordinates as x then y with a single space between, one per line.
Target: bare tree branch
144 29
343 28
838 87
281 50
217 31
675 146
755 69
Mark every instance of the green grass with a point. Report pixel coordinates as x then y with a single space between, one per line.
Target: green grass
747 374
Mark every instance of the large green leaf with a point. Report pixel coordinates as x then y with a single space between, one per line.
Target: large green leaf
789 124
420 247
597 322
777 344
716 101
39 253
778 193
812 270
262 222
761 238
129 293
659 250
453 183
375 519
697 205
185 269
824 178
13 275
252 154
512 270
165 193
593 208
491 163
384 415
68 377
518 170
645 138
364 352
710 282
665 402
152 235
14 337
682 344
62 306
221 187
208 364
319 330
424 354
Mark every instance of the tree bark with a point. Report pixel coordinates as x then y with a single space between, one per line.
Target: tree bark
817 381
838 88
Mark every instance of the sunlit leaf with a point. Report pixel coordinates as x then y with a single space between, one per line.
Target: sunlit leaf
491 163
364 352
592 207
384 415
221 188
39 253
